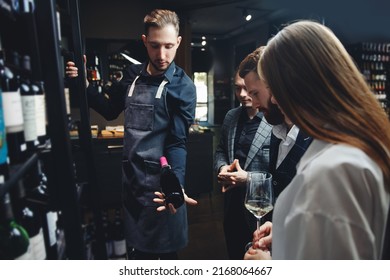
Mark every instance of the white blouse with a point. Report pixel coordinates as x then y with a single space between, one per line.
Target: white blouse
335 207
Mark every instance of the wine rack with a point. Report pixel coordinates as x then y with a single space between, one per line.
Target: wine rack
373 59
38 34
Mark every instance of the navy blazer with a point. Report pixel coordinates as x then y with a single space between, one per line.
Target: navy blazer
286 171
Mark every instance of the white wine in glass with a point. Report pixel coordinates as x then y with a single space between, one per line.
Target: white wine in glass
259 197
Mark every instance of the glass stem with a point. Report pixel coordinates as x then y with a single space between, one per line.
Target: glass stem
258 223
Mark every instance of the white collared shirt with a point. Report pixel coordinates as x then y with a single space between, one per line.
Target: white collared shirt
337 200
288 140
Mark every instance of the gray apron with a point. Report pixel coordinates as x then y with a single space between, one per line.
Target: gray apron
147 124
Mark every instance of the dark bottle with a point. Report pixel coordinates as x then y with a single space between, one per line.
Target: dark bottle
107 231
170 185
14 239
28 106
13 114
3 138
118 236
38 89
29 218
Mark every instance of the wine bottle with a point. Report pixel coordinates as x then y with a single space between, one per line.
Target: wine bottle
89 240
106 224
38 88
14 239
120 250
13 114
29 218
3 138
170 185
28 106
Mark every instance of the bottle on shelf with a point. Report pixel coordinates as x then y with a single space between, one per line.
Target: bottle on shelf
89 240
28 106
13 114
30 219
119 241
14 239
170 185
3 138
107 226
38 88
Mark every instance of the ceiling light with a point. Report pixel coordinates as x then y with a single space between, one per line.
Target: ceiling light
246 15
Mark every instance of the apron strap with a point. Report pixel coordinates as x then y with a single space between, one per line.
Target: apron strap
132 86
161 88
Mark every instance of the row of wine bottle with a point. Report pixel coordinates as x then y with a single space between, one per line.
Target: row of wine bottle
113 232
376 47
23 108
28 228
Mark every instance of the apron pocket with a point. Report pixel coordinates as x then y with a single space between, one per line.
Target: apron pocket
140 116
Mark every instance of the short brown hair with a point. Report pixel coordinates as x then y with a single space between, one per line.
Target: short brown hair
249 63
161 18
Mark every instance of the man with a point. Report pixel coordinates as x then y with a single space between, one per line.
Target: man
245 137
159 101
288 143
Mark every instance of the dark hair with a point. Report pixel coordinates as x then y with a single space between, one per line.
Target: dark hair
249 63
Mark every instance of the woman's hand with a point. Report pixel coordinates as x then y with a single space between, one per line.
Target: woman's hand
257 254
262 238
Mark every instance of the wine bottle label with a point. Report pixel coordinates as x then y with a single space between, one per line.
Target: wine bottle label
28 255
52 218
120 247
38 246
40 115
13 113
29 116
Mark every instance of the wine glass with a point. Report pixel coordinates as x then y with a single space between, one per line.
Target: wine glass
259 196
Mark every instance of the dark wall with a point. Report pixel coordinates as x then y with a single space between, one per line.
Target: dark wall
352 21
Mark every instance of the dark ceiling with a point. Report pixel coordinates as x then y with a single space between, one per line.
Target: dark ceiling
352 20
223 18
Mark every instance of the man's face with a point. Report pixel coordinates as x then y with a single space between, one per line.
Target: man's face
241 92
161 45
261 98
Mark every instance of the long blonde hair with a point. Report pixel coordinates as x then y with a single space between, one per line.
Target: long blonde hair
321 90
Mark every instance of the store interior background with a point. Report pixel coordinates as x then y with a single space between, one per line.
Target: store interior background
229 39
